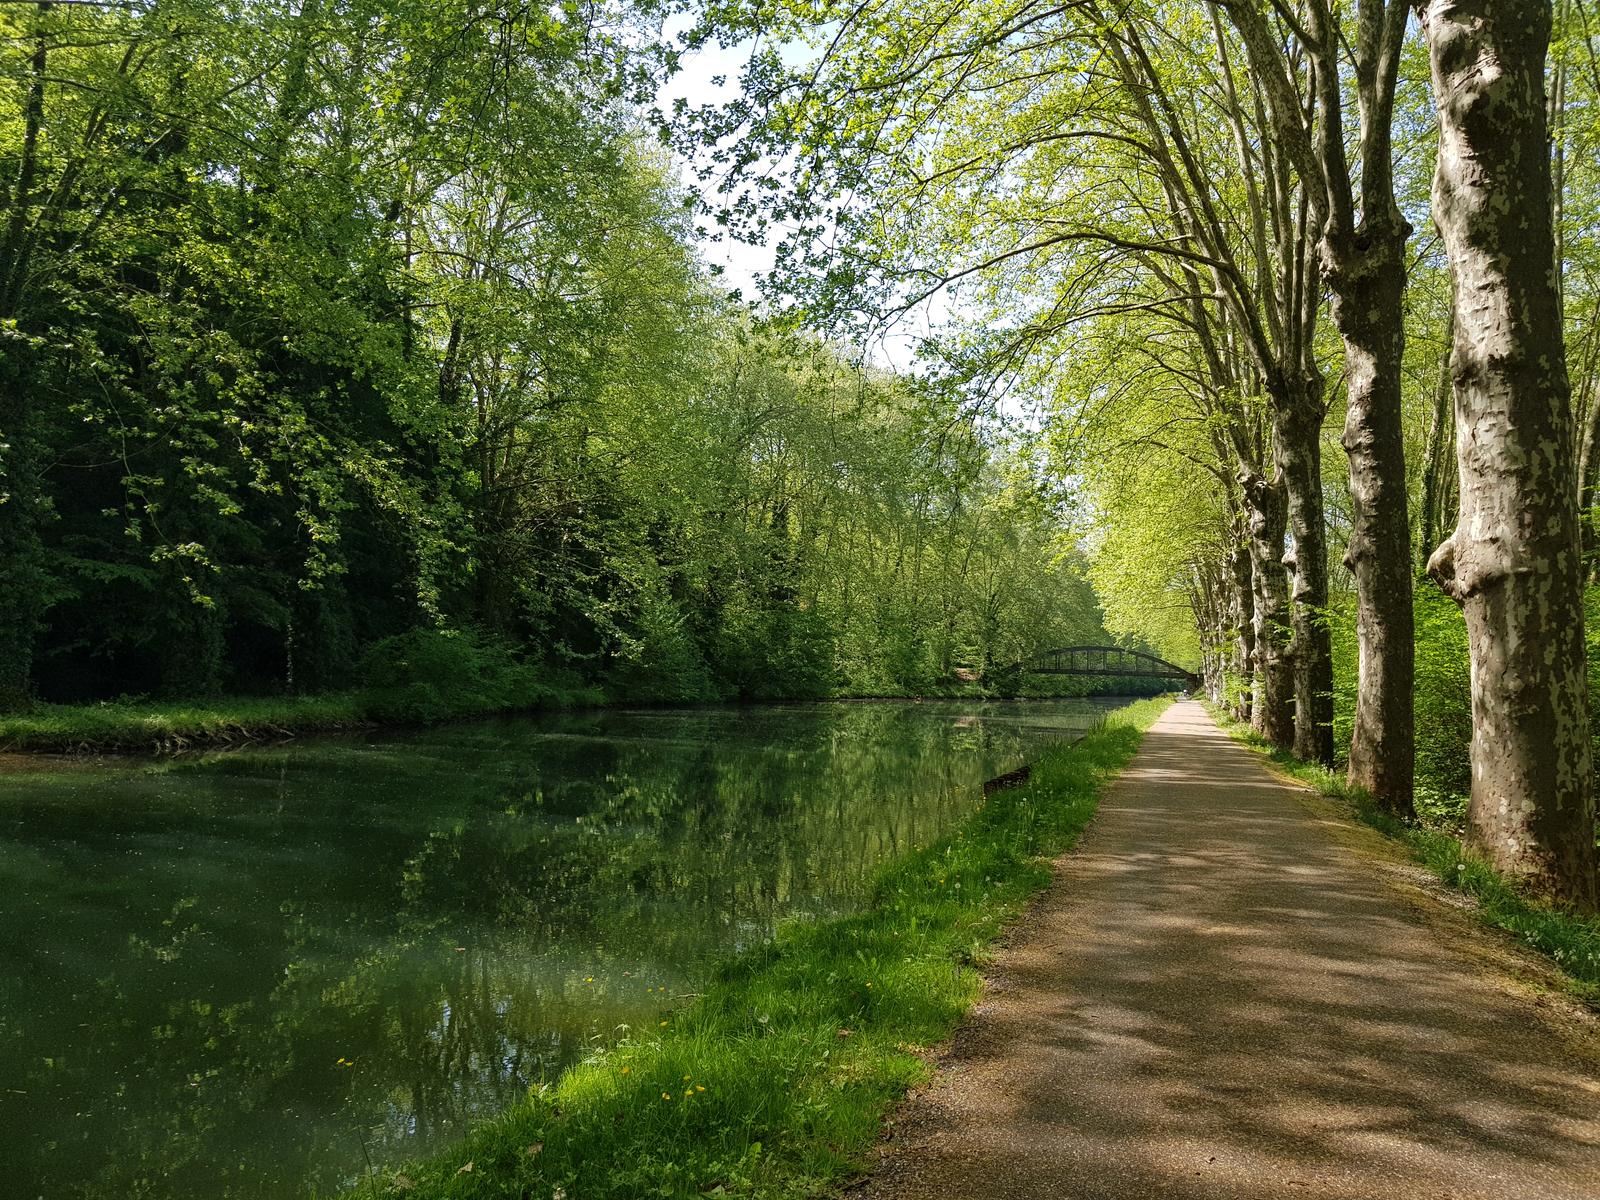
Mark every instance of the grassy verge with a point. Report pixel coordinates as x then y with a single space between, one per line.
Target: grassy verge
1571 941
140 726
164 726
157 725
775 1081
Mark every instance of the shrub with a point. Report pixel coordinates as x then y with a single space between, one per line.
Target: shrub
434 674
657 659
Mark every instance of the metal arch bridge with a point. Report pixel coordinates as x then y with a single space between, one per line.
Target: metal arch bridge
1117 661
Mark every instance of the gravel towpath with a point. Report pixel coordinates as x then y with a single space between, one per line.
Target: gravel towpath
1229 992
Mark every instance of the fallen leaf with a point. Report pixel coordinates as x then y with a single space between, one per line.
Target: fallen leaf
466 1170
535 1148
402 1183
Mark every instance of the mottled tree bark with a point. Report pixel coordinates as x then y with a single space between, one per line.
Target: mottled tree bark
1364 270
1513 559
1210 602
1297 423
1361 251
1242 618
1366 277
1272 714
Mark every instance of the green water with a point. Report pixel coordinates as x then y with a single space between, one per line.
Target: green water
264 973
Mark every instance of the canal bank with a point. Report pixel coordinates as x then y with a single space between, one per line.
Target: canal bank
268 972
775 1080
176 726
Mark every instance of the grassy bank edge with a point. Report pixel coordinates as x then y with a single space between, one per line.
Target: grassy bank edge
1570 941
163 726
774 1082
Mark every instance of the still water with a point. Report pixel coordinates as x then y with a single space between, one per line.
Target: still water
263 973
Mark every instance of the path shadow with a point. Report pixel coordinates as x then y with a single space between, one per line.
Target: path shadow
1217 999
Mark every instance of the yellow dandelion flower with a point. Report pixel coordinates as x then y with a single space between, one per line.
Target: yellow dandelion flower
699 1087
666 1095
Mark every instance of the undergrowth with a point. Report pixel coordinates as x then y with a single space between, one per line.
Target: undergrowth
775 1081
163 726
1572 941
419 677
173 725
416 678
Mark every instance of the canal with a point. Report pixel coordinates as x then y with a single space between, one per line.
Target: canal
263 973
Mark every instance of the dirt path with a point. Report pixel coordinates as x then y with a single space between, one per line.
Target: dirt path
1220 997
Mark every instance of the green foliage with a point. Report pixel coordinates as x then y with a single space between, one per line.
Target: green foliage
659 659
342 320
435 674
775 1081
1573 942
421 676
1443 698
140 725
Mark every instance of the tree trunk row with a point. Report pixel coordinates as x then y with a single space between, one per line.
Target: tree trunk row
1513 560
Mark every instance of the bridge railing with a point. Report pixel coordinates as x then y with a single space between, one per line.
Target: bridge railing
1110 661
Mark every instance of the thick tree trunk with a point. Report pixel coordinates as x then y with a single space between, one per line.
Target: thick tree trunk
1212 606
1297 425
1242 620
1513 559
1272 708
1367 277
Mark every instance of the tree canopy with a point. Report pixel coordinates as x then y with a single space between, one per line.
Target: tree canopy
333 330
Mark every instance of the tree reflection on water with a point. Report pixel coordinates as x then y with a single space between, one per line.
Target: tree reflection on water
264 973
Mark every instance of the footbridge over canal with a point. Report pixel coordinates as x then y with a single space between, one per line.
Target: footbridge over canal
1113 661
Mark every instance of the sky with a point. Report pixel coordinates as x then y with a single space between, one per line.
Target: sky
745 265
695 82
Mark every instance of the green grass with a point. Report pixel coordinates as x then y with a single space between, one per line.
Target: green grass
157 725
775 1081
1570 940
165 726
